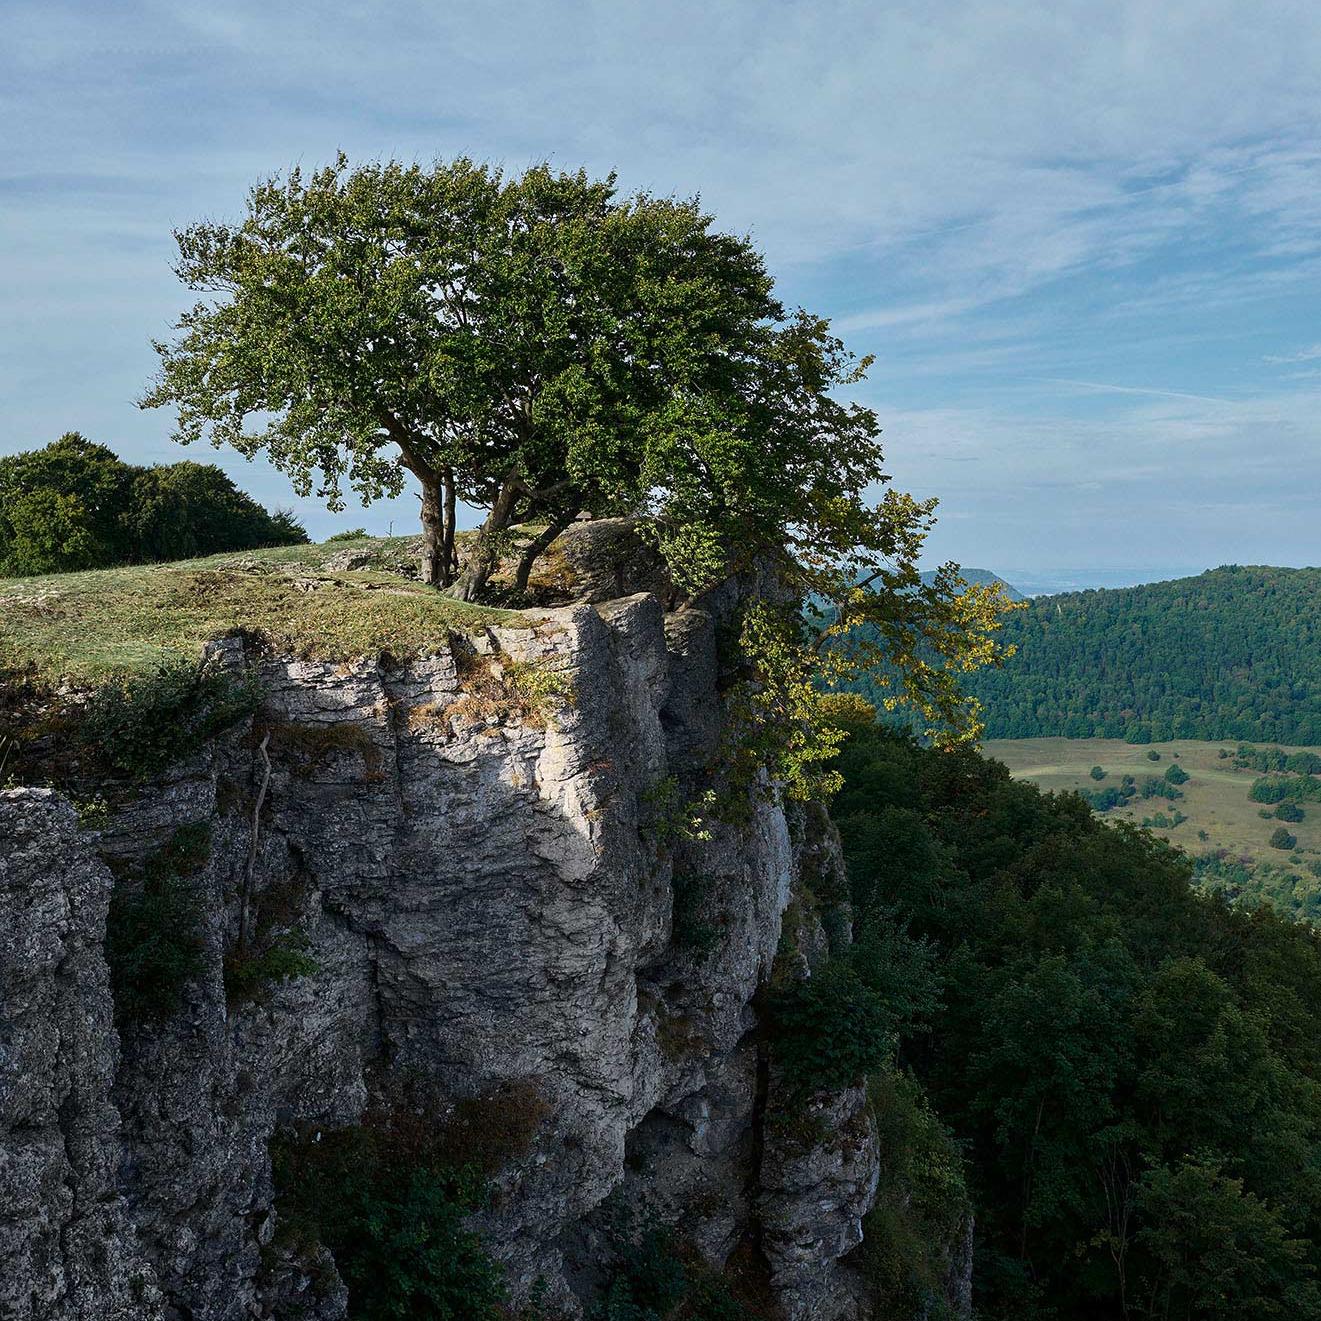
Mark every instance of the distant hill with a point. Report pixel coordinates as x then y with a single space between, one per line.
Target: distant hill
980 578
1230 654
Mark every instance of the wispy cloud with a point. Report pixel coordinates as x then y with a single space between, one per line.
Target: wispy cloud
1102 387
1310 354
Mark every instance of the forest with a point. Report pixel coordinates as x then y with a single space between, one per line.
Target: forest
1118 1073
1229 654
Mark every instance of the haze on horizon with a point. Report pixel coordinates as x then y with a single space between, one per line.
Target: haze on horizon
1083 244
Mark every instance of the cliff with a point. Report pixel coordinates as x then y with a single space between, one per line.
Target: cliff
473 862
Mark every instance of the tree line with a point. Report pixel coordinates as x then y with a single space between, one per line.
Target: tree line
76 505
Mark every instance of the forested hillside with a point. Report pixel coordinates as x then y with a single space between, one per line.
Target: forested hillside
1230 654
1120 1074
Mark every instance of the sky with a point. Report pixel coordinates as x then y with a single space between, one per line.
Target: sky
1082 239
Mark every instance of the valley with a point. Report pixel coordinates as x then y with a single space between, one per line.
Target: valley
1214 815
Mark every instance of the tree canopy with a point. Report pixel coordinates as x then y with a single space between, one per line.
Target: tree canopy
543 348
77 505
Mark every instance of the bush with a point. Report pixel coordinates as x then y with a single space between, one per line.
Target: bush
185 510
1102 800
1097 773
690 928
1153 786
349 534
1177 775
141 725
829 1031
153 932
249 973
1288 811
1153 755
653 1276
921 1203
392 1211
1282 839
1268 791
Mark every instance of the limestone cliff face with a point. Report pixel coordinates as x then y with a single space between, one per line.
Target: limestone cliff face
475 849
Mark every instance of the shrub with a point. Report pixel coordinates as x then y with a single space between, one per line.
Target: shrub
391 1207
1177 775
1268 790
249 973
653 1276
153 933
690 928
829 1030
1282 839
75 505
141 725
349 534
1288 811
1097 773
921 1203
397 1235
1153 755
1102 800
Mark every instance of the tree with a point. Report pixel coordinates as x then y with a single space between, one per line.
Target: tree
62 507
188 509
535 345
1097 772
542 348
1282 839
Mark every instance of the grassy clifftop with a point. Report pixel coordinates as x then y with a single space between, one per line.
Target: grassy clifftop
304 600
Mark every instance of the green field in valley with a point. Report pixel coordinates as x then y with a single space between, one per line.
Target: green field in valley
1219 813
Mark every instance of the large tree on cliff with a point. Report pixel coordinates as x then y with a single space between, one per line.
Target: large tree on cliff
542 348
527 345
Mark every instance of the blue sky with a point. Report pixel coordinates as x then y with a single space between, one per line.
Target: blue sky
1083 240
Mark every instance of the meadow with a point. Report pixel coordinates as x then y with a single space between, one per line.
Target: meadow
1220 815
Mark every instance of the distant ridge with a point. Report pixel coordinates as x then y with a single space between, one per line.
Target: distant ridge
1232 653
981 578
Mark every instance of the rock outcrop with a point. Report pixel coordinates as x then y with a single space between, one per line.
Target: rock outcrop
479 855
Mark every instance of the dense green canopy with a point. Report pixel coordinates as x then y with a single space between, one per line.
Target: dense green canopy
1130 1070
77 505
1234 653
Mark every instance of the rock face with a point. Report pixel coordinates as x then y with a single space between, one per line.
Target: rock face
482 854
67 1246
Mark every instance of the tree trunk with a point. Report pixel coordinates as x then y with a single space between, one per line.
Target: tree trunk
449 563
485 555
538 545
436 537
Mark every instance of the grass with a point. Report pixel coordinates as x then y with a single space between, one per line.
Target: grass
85 628
1215 797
